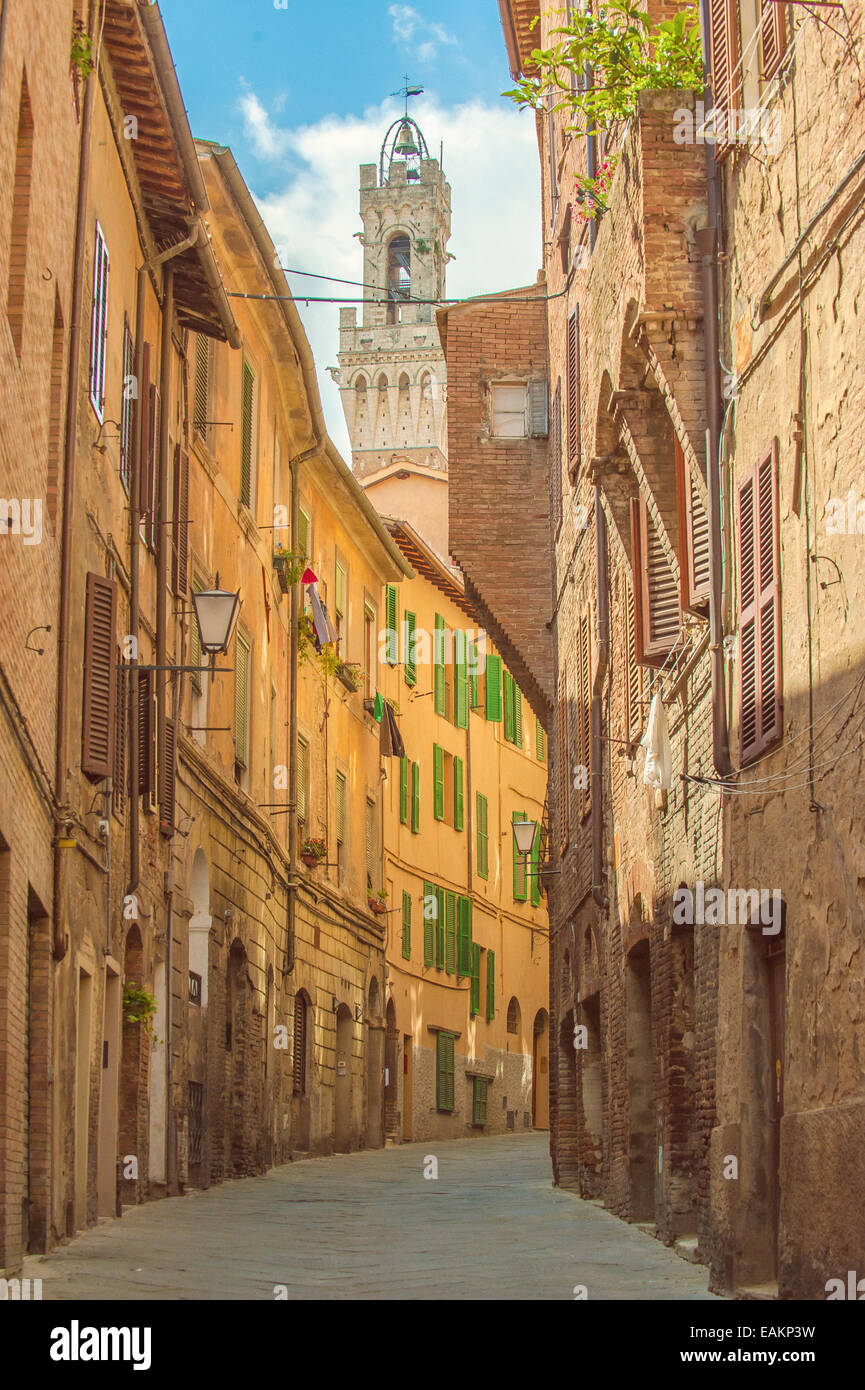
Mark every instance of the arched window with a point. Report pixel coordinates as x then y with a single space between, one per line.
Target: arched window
404 382
426 387
382 382
398 276
514 1016
360 383
301 1031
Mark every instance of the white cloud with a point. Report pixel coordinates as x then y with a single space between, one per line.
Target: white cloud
408 24
491 162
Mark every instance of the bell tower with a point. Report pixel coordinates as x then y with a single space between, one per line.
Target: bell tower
391 366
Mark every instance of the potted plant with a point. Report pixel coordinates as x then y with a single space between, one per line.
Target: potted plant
378 902
313 852
288 566
350 674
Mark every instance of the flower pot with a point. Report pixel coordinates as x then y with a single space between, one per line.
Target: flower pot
310 860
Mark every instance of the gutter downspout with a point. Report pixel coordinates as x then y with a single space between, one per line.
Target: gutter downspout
707 246
602 591
162 687
69 452
293 467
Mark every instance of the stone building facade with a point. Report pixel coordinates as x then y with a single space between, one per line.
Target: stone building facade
703 1072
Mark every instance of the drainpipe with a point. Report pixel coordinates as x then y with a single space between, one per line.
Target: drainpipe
707 246
293 467
69 451
602 591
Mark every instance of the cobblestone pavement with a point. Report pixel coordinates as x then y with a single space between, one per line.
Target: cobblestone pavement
370 1226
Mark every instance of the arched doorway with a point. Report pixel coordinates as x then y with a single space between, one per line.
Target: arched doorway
134 1064
391 1073
342 1126
375 1065
541 1070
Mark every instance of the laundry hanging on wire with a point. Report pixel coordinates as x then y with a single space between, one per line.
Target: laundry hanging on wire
325 631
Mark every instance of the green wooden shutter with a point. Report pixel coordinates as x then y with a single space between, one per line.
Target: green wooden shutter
508 690
483 846
464 936
450 933
403 791
473 674
461 689
303 537
429 906
476 979
410 668
459 813
415 798
535 879
391 609
406 925
494 689
438 782
444 1071
246 427
519 864
491 986
440 928
480 1086
518 714
540 741
439 665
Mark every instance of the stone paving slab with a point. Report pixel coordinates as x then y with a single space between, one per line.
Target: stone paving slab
370 1226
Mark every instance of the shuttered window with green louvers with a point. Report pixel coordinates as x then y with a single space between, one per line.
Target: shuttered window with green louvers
474 678
429 919
410 669
403 791
444 1071
459 806
415 798
508 702
450 933
494 689
464 936
540 742
438 782
519 864
480 1087
535 878
476 979
439 698
482 812
391 609
440 928
461 689
406 925
247 436
491 986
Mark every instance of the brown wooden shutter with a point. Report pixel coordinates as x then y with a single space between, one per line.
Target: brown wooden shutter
299 1057
773 37
573 432
100 679
556 461
154 404
147 736
181 521
656 593
693 538
760 705
584 715
144 424
724 53
167 780
562 758
118 775
634 678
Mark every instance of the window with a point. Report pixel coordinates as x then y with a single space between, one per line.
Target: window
195 653
513 710
406 925
438 782
303 781
99 324
475 1004
391 610
403 791
563 780
167 782
126 404
480 1087
464 936
180 538
513 1024
439 680
633 671
459 807
415 798
510 411
441 923
556 462
100 678
410 668
340 608
656 590
242 664
573 434
430 908
201 387
373 868
693 537
540 742
450 933
341 807
17 282
472 651
494 689
147 760
300 1044
304 533
520 874
370 650
482 811
149 479
248 436
398 277
445 1071
739 70
448 788
760 704
491 986
584 715
118 774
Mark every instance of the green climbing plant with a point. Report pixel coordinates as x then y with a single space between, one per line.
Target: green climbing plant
81 51
139 1005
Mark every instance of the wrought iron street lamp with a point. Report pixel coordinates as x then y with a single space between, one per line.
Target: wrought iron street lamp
524 835
216 613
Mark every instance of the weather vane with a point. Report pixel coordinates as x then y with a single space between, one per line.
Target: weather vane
407 91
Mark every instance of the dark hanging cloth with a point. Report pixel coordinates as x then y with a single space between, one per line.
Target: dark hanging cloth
392 745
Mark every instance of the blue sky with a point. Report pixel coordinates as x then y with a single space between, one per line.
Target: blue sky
302 96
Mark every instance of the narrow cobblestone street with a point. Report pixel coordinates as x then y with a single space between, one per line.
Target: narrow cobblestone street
370 1226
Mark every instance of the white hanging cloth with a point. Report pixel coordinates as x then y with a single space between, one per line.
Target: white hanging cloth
321 620
658 771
